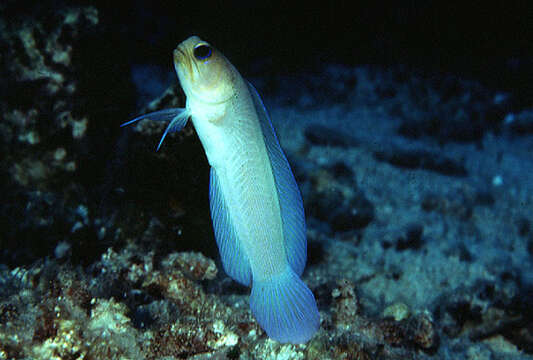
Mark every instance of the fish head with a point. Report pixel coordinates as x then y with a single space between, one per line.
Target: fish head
204 72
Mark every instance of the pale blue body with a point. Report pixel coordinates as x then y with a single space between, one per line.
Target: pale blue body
256 207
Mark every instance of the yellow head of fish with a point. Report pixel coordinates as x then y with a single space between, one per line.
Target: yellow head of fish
204 73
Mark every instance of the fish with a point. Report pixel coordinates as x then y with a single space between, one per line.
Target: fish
255 204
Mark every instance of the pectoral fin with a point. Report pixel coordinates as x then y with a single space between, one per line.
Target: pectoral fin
177 116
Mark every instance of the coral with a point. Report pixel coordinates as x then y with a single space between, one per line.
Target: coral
66 344
73 322
398 311
109 332
194 265
346 303
57 80
38 58
106 333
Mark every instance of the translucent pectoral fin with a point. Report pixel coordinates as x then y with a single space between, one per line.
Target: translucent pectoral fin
177 116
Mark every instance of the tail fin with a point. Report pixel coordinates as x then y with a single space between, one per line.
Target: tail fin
285 308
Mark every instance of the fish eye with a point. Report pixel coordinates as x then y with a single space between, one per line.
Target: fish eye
202 52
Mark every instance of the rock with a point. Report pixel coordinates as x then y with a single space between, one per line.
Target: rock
343 207
521 123
449 110
421 159
321 135
412 239
489 311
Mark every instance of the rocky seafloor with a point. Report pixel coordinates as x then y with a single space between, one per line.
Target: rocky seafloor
417 189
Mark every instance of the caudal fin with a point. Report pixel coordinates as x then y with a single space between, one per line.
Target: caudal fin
285 308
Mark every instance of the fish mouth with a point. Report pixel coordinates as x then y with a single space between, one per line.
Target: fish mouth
182 62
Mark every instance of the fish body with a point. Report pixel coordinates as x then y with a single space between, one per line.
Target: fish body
256 206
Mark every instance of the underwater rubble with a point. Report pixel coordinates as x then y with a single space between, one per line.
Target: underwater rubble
420 244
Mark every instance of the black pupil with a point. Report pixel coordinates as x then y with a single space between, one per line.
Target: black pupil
202 52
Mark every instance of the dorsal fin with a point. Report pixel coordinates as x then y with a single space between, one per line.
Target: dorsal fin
290 200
